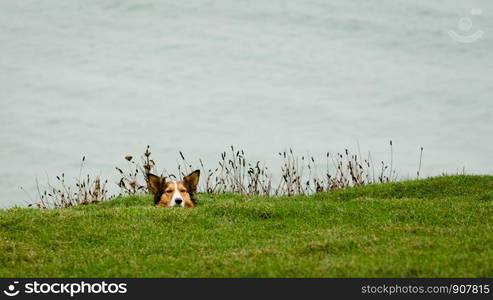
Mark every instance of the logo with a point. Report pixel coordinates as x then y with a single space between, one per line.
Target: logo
11 292
69 288
467 34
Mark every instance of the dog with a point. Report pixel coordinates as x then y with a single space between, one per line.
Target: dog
174 193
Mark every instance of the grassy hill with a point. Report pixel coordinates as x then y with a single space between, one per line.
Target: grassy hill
438 227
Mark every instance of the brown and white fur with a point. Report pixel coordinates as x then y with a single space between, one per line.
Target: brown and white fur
176 193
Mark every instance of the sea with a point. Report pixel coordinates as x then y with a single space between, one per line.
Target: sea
102 79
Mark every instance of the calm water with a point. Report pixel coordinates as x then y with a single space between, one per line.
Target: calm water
105 78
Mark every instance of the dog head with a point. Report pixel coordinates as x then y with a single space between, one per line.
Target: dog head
177 193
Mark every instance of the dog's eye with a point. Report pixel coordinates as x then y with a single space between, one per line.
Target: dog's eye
168 191
183 191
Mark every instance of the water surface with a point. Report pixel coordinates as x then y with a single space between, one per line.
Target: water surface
106 78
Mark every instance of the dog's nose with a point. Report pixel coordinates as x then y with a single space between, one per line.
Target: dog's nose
178 201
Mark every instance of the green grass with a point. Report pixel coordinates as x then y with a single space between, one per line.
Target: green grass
438 227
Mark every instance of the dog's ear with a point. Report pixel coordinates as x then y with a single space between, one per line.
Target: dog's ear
154 183
191 181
